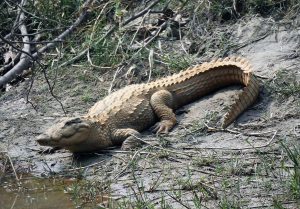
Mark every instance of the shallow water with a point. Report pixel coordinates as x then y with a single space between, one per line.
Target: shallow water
35 193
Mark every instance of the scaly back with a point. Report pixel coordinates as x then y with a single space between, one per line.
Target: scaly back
197 81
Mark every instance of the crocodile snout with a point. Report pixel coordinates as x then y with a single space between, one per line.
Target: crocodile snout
43 139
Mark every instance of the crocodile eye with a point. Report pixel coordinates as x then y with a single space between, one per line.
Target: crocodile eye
73 121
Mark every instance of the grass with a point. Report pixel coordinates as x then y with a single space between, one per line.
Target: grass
200 161
293 154
225 203
284 85
177 62
87 98
277 204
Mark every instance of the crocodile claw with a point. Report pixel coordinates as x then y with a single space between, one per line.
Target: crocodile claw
162 127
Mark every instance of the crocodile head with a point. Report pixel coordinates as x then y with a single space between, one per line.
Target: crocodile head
69 133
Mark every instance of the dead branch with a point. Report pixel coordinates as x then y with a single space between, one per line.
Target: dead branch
25 61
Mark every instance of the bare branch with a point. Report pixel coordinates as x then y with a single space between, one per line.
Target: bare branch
25 60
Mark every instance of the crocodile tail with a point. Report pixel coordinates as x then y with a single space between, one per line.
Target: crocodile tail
247 96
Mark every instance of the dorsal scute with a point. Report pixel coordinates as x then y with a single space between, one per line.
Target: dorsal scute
239 62
227 59
233 59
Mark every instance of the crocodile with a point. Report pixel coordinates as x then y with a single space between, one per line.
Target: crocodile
118 119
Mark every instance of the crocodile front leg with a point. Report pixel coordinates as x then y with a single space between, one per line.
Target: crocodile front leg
127 137
162 102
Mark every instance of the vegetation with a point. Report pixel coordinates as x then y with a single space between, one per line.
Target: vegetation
284 85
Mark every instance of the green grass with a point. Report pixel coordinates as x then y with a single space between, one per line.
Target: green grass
176 62
225 203
284 85
277 204
205 161
293 154
87 98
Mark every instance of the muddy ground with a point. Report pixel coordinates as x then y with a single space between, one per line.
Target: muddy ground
196 165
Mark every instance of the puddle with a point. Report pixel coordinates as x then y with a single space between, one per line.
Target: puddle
35 193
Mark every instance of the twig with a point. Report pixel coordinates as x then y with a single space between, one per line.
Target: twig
163 26
151 63
95 23
70 61
39 32
236 132
114 78
12 165
91 40
261 76
49 169
181 42
136 32
92 64
140 13
244 148
152 187
15 200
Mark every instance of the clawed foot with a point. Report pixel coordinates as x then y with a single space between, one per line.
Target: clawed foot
51 150
131 143
162 127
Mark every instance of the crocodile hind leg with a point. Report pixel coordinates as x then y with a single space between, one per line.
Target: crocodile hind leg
162 102
127 137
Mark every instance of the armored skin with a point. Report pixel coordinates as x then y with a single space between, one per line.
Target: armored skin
119 118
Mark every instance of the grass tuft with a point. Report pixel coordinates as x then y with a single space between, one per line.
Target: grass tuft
293 154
